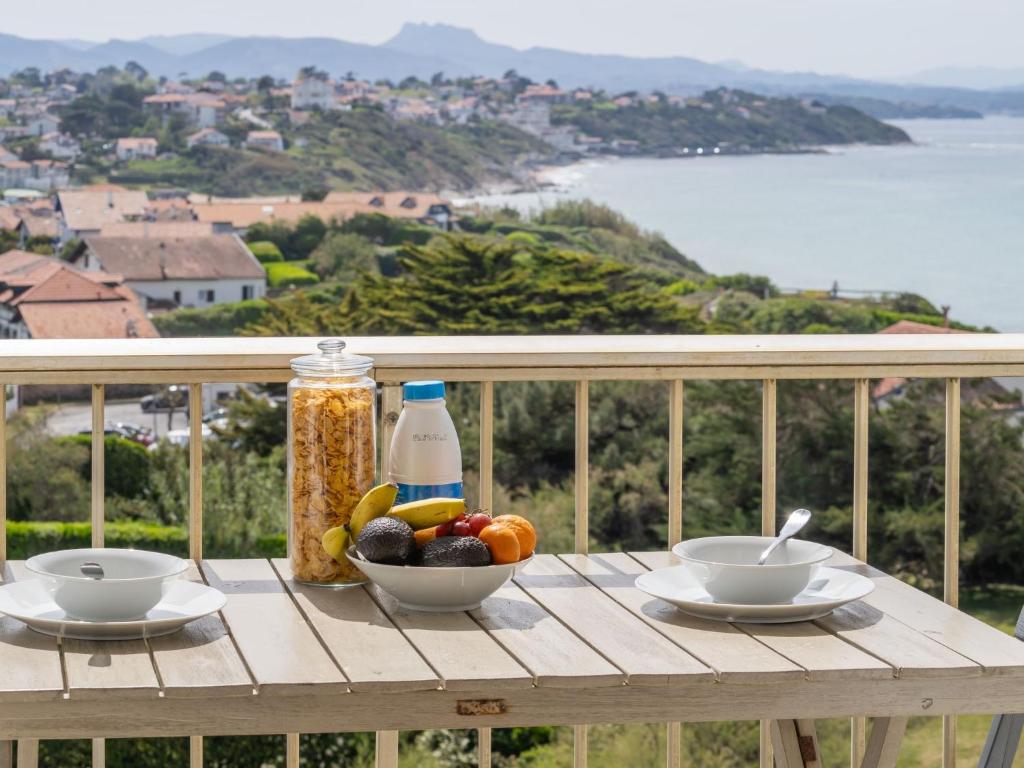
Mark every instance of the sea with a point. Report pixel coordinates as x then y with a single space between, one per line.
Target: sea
943 217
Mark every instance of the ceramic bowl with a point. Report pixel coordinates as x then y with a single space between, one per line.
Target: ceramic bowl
727 567
420 588
133 581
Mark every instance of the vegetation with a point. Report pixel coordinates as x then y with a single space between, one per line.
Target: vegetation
265 251
289 275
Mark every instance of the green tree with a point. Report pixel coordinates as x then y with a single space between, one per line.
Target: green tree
343 257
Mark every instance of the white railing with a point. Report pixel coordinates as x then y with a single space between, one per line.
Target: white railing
581 359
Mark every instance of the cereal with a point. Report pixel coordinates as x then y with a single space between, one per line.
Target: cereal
332 465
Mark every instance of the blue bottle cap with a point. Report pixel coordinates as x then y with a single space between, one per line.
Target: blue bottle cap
423 390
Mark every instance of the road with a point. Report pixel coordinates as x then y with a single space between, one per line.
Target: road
72 418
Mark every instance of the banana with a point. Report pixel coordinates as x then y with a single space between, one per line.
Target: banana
426 513
375 503
335 542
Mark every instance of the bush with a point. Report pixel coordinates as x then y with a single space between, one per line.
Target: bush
342 256
266 251
289 274
220 320
27 538
125 465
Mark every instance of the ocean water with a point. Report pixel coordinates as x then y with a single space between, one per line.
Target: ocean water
943 218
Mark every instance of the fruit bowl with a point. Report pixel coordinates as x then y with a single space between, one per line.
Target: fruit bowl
437 589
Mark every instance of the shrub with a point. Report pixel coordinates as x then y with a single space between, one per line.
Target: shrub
289 274
125 465
266 251
342 256
27 538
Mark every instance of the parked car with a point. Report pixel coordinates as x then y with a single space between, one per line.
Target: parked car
172 398
141 435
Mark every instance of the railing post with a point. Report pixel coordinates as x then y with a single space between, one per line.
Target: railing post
951 571
861 412
195 514
291 751
674 731
769 395
582 524
485 498
98 515
386 752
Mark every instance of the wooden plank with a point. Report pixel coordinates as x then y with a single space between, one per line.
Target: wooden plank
277 645
674 745
786 744
810 748
109 669
551 653
675 462
98 443
769 440
201 659
951 545
996 652
3 476
30 662
370 650
195 472
386 752
581 477
821 654
883 749
1002 742
99 753
580 742
28 753
646 656
291 750
195 752
460 652
486 494
731 653
483 748
861 413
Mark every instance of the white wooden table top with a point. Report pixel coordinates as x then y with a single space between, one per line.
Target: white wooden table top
571 639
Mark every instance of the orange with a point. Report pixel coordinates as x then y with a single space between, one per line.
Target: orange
503 543
524 530
424 536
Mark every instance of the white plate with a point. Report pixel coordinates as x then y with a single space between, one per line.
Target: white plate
829 589
185 601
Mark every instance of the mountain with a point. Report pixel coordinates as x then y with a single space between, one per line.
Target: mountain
980 78
425 49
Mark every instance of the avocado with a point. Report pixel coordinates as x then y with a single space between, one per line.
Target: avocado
455 551
387 540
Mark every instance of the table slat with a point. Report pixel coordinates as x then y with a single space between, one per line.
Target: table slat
823 655
109 669
30 661
456 647
554 655
997 652
731 653
277 644
371 651
200 659
647 657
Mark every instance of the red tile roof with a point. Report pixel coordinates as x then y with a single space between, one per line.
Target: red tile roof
889 385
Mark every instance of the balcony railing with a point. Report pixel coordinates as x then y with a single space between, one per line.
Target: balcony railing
580 359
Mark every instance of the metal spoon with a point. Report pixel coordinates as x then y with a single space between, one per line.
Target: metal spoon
797 520
92 570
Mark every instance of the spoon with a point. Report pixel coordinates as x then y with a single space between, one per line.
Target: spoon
797 520
92 570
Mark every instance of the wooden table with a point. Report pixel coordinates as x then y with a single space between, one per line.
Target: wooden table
570 641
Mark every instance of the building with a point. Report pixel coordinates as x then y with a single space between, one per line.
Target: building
13 173
85 211
6 154
171 272
269 141
204 110
313 93
208 137
42 297
135 149
42 124
60 146
424 207
47 175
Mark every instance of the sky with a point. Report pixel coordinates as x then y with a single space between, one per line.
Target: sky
866 38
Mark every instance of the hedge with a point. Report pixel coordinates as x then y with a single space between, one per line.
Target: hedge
288 273
265 251
27 538
125 465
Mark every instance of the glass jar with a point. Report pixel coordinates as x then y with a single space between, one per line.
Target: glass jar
331 456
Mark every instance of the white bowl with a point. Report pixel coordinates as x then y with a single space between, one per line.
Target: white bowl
727 567
423 588
133 581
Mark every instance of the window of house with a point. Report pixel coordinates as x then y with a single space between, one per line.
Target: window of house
207 295
177 297
248 292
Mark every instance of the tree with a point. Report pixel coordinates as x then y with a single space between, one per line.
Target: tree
217 77
309 231
265 84
312 73
136 70
343 257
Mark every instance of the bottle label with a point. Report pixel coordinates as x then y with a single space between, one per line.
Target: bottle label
411 492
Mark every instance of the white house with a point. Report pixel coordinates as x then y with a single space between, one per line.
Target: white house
170 272
202 109
270 141
135 149
207 137
313 93
61 146
42 124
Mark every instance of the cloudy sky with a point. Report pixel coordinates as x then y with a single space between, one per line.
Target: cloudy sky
874 38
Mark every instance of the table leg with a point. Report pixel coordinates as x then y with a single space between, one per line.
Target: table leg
795 744
884 745
1000 745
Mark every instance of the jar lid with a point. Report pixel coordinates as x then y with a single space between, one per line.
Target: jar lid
332 361
423 390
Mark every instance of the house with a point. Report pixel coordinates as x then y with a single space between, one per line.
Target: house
177 271
207 137
13 173
48 175
135 149
42 124
60 146
37 220
236 216
204 110
42 297
6 155
7 107
313 93
269 141
85 211
423 207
